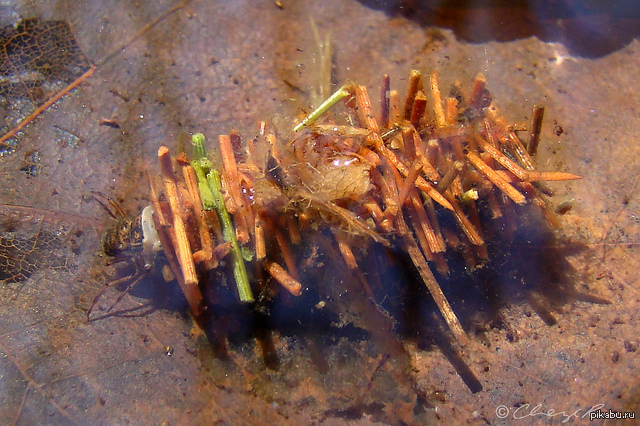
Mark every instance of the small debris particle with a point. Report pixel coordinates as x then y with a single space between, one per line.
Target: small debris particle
557 128
615 356
630 346
564 207
109 123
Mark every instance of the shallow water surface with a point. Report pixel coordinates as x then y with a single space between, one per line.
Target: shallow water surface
540 332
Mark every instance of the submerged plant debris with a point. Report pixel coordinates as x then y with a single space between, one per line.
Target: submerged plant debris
332 353
452 181
20 257
39 61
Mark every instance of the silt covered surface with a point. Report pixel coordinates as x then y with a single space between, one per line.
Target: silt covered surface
211 67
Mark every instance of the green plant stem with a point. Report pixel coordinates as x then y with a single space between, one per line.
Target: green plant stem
210 188
326 106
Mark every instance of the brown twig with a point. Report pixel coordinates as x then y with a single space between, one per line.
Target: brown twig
385 94
261 248
286 252
419 106
394 107
345 250
534 131
55 98
504 161
191 181
450 176
477 90
410 182
437 101
415 84
425 224
287 281
183 251
464 223
535 176
451 110
432 284
495 178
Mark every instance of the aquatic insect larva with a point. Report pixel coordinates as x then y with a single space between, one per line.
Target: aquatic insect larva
133 237
129 239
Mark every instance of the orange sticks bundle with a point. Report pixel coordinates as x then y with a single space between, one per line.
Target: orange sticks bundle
388 181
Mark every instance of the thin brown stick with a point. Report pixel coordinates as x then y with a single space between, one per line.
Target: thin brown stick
415 84
394 107
410 182
409 144
203 228
414 224
509 219
385 93
474 218
450 176
551 176
55 98
427 167
457 147
463 222
388 197
476 91
162 221
371 157
183 250
419 105
534 131
433 219
246 184
350 105
437 101
261 248
345 250
425 224
189 281
432 284
495 178
287 281
433 148
229 202
451 110
375 211
229 162
535 176
451 238
365 114
425 187
421 183
504 161
509 138
232 181
294 230
287 255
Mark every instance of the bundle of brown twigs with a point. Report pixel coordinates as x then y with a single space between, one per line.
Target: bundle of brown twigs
364 177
